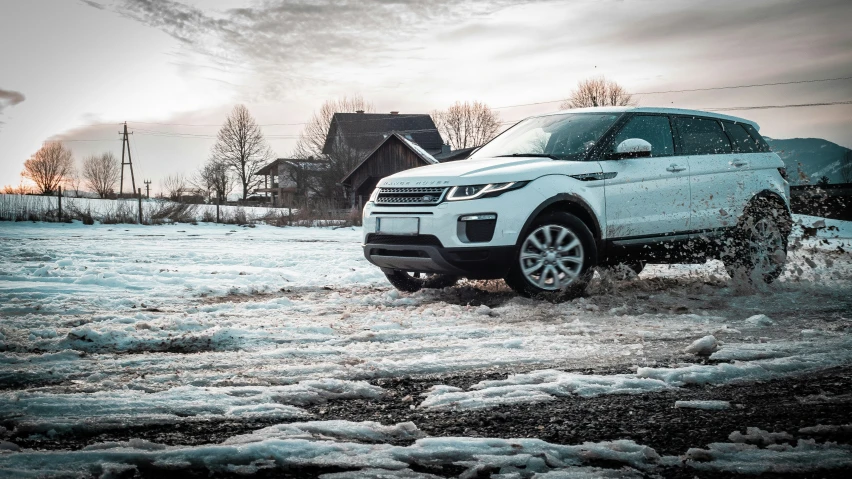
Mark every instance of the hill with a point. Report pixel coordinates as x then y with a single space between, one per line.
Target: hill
816 156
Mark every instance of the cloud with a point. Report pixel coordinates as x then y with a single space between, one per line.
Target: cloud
9 98
297 42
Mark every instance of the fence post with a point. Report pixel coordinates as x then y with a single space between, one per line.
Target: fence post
290 211
139 197
59 197
217 208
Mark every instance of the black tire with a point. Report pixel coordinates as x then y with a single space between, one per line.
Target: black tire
562 260
413 282
757 251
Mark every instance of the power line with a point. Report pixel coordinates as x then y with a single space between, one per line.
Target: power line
743 86
769 107
688 90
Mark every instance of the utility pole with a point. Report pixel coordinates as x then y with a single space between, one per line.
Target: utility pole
147 188
125 143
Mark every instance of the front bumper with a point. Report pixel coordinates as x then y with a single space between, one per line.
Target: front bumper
475 263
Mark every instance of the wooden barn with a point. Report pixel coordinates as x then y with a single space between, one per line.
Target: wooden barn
394 154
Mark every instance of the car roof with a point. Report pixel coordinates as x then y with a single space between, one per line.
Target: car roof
651 109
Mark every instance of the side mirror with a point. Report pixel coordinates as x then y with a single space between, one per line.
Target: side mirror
632 148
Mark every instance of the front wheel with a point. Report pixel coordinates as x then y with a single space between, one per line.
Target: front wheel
412 282
555 260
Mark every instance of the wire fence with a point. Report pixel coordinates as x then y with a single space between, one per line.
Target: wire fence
306 212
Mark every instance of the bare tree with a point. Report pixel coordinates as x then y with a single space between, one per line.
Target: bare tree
173 186
215 178
597 92
340 161
240 146
101 173
312 138
49 167
21 189
468 124
73 181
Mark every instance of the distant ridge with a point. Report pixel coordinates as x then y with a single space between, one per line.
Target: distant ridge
817 157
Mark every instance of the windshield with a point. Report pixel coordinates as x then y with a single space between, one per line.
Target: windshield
564 137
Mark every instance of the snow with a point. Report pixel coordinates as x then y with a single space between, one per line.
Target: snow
755 435
805 456
40 412
759 321
546 385
142 325
703 346
706 405
332 444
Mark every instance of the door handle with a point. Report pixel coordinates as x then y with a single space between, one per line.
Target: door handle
674 168
739 163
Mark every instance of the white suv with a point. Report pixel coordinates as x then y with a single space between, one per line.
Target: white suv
556 195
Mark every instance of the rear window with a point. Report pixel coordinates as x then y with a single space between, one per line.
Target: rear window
761 143
741 141
702 136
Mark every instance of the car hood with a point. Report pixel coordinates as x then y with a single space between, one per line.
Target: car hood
487 170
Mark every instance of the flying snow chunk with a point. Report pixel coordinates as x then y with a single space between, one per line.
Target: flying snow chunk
759 320
704 346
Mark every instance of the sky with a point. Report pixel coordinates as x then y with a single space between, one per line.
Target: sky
75 70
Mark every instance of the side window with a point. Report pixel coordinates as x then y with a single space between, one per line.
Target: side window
741 141
654 129
702 136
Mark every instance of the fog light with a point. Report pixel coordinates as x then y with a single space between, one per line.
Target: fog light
483 217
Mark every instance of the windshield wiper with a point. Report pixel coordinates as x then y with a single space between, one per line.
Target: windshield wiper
534 155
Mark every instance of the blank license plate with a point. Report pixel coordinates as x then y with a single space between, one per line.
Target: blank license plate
398 226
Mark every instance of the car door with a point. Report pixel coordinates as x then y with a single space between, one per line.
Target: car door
646 197
713 172
748 161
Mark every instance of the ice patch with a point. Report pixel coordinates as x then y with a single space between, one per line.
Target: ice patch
33 411
703 346
759 321
707 405
537 386
755 435
805 456
308 445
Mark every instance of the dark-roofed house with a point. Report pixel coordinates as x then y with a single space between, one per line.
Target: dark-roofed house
397 152
361 132
288 178
454 155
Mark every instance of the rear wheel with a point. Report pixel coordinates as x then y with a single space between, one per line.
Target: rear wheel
412 282
759 245
555 259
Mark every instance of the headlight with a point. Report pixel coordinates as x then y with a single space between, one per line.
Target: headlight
491 190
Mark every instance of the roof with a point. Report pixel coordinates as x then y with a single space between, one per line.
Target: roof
420 152
650 109
362 131
305 163
455 155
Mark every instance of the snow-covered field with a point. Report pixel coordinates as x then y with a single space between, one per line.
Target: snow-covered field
111 327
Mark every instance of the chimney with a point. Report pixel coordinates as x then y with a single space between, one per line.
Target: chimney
394 113
445 148
359 111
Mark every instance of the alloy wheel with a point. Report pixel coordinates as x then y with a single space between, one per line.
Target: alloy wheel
551 257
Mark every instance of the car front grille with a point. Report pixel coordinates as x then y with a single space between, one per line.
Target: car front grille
419 196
